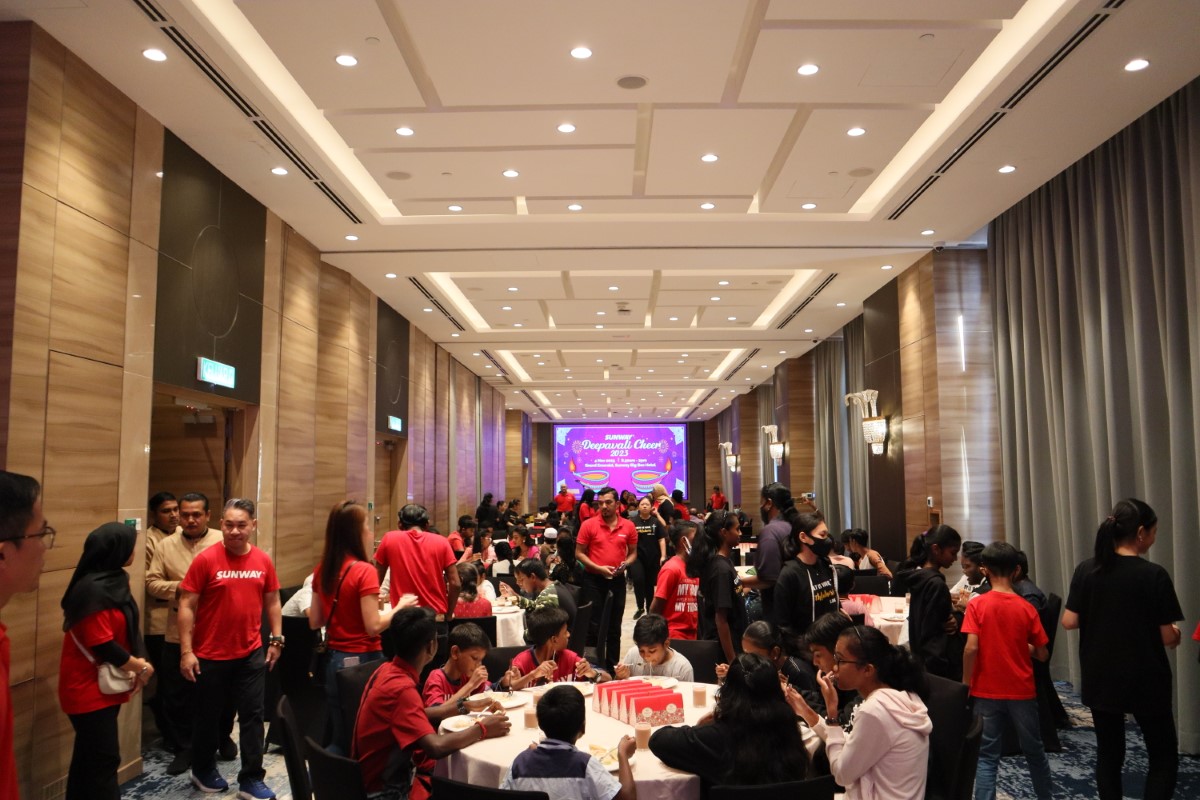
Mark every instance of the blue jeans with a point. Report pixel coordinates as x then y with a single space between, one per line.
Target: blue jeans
339 742
1024 716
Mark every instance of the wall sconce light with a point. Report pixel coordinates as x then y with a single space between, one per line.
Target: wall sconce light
775 447
731 459
874 426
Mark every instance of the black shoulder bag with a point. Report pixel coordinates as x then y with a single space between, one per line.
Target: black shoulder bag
318 663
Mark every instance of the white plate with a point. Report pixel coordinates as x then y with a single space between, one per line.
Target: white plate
585 687
894 617
456 724
661 681
612 763
506 700
506 609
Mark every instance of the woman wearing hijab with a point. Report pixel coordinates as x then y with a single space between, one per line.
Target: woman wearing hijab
102 627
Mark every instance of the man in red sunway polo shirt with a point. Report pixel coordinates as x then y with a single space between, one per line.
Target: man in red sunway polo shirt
221 604
606 546
422 563
24 539
564 501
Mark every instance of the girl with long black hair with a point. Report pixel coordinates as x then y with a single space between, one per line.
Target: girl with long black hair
722 611
750 738
884 750
652 553
1125 608
932 628
807 586
100 618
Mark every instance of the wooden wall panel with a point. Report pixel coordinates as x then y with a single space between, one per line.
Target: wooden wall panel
494 434
90 264
800 436
333 376
301 281
470 459
516 472
748 445
444 418
295 466
43 130
52 736
360 395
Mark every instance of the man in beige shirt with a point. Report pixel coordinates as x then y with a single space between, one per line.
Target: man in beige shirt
163 511
168 565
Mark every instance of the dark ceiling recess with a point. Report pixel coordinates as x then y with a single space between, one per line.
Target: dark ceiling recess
433 301
218 79
1039 75
699 406
741 364
804 304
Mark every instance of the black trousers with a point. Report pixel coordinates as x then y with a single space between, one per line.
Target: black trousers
244 680
644 574
96 756
608 607
178 703
1162 751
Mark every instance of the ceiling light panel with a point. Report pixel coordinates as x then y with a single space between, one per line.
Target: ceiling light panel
641 205
471 56
863 66
421 208
889 9
492 129
827 180
746 140
593 288
716 315
381 79
561 173
482 289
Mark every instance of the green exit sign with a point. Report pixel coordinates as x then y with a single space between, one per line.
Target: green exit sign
215 372
395 424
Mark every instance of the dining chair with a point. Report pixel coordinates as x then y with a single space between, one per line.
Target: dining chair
579 630
499 659
333 777
877 585
703 656
821 788
968 761
950 713
351 683
293 750
446 789
488 624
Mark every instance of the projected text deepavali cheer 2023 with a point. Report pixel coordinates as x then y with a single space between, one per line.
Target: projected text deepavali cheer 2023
622 456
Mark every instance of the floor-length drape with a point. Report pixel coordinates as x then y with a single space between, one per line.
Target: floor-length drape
832 446
854 349
1097 313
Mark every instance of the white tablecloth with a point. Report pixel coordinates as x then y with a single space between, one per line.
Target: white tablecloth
510 627
895 630
485 763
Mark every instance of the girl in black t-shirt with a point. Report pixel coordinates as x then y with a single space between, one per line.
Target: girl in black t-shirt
722 610
807 585
1126 608
932 629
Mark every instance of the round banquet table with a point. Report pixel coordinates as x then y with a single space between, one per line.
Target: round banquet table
485 763
510 625
895 629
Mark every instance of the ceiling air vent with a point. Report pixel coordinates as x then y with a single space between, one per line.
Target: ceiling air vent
704 400
742 363
437 304
795 311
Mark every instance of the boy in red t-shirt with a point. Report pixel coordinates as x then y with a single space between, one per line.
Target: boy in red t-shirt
449 687
549 659
1003 629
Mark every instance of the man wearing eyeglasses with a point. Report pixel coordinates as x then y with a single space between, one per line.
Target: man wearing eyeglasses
24 539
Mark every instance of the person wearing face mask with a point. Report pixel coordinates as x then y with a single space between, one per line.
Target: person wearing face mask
675 596
807 586
778 510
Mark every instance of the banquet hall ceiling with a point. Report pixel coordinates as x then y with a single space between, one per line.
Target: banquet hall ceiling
559 224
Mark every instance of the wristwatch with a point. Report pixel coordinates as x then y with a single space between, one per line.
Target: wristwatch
274 639
833 721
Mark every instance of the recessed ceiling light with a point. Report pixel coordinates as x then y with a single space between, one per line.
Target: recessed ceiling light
158 174
887 266
673 319
599 327
489 366
506 308
809 206
566 127
542 364
856 131
566 369
614 288
581 53
510 173
715 299
278 171
808 69
783 352
650 370
599 360
683 355
350 237
808 330
404 130
708 206
518 325
841 305
154 54
455 335
709 158
747 379
427 310
390 275
680 361
722 283
928 232
1137 65
574 207
731 319
454 208
347 60
537 355
1007 168
474 354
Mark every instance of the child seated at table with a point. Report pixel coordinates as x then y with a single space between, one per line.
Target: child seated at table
850 605
470 603
549 659
782 649
560 769
463 674
821 640
651 655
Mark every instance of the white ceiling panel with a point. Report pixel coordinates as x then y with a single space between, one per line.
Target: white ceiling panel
490 129
891 10
475 206
640 205
481 287
745 141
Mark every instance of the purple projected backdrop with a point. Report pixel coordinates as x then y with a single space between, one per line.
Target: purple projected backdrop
622 456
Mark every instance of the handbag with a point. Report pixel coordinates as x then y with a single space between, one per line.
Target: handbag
318 662
111 679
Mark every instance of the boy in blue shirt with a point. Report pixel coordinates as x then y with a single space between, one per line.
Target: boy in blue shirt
561 770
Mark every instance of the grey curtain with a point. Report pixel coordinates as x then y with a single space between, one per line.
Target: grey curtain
854 347
766 416
833 469
1097 312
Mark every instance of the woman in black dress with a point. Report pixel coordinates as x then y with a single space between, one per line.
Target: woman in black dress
1126 608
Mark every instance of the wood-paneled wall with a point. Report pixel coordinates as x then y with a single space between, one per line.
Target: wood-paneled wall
919 416
518 438
748 444
795 414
